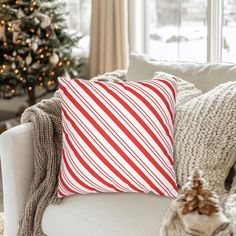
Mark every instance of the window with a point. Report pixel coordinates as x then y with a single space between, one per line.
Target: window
229 31
187 30
178 30
78 19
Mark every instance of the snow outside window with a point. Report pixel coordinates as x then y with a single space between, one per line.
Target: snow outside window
178 30
188 30
78 19
229 31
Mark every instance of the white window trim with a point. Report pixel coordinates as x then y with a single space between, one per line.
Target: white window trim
214 30
138 28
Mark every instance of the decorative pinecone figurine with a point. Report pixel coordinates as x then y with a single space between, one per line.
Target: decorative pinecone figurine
197 197
199 208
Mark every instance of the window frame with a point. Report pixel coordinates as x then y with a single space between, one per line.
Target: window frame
214 30
138 27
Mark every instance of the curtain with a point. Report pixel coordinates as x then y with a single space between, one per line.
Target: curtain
108 36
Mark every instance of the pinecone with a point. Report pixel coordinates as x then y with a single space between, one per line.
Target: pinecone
196 196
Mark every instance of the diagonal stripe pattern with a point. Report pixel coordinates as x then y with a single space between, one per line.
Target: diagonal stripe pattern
118 136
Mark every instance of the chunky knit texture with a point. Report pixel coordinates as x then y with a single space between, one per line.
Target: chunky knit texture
171 224
47 141
204 138
186 92
205 135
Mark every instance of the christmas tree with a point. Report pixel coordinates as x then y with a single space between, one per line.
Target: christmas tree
35 47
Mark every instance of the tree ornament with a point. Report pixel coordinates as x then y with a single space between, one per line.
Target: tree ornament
2 33
34 46
18 2
14 53
21 51
28 59
35 66
56 27
15 24
54 58
38 31
28 41
15 37
13 66
45 22
20 13
36 21
22 63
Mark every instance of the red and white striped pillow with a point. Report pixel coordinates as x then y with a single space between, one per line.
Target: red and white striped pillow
118 136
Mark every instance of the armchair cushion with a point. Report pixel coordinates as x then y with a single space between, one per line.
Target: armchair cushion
110 214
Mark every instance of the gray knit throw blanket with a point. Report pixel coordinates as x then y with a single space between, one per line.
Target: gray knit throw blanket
47 145
45 117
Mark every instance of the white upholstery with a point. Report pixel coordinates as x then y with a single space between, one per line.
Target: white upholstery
205 76
16 153
96 214
106 214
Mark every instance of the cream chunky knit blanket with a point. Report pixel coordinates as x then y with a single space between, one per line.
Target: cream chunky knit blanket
205 129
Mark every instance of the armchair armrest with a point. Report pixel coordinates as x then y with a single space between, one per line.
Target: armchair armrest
16 153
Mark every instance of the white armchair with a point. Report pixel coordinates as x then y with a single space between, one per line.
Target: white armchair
17 168
96 214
